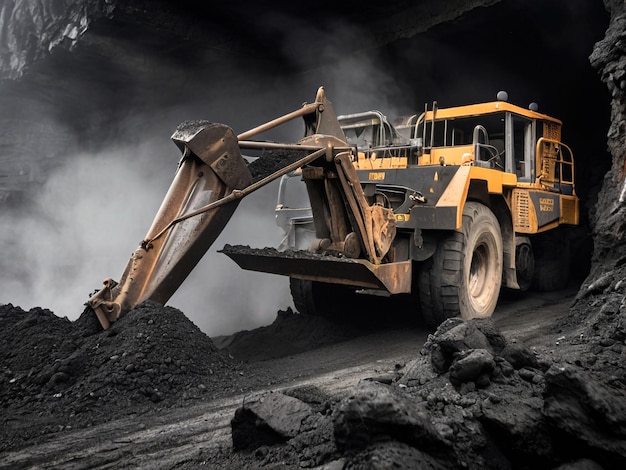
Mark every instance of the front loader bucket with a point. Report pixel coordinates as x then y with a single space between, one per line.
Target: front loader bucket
183 230
392 277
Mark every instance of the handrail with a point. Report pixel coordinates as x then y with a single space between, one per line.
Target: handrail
562 160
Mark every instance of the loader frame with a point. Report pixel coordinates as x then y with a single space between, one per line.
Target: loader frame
445 207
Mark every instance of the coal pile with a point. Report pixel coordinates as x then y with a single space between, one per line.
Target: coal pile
472 399
58 375
290 333
65 374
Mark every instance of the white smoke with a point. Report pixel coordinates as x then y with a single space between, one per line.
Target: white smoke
92 213
78 228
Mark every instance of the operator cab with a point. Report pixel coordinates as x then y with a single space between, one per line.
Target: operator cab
496 135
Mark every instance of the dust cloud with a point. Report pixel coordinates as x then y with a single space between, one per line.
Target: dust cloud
92 213
75 230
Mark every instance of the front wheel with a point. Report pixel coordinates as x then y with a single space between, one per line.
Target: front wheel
464 276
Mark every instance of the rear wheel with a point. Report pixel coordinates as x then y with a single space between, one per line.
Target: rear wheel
552 262
524 265
464 276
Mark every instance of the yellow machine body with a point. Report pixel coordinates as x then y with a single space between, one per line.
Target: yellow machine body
446 206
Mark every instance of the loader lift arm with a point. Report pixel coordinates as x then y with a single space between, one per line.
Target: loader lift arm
211 179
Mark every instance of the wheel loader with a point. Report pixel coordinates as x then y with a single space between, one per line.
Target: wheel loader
443 209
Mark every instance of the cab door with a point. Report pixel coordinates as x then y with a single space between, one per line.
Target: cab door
520 147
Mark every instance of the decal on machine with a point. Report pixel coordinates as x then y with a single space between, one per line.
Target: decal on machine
547 207
376 175
546 204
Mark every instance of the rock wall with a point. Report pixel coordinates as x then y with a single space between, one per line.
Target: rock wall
31 30
610 214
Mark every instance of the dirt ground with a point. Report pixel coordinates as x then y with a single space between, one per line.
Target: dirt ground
156 392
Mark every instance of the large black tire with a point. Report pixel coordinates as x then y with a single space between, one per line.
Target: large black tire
339 302
524 265
552 261
321 299
464 276
303 296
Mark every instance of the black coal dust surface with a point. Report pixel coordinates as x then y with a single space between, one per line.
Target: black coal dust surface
271 161
63 374
488 402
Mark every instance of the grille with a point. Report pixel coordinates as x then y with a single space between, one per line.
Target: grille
522 217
